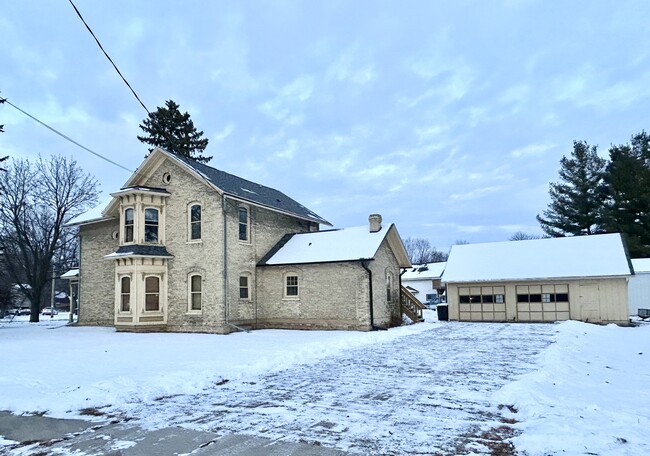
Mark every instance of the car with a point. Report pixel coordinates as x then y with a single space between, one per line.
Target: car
24 311
49 311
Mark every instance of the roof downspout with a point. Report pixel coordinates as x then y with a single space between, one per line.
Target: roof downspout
226 301
364 263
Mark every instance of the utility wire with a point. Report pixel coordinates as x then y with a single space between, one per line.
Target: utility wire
67 137
108 57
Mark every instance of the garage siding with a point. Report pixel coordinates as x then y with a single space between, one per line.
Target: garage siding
599 301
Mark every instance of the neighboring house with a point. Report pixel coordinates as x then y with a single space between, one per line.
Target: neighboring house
577 278
639 286
186 247
423 280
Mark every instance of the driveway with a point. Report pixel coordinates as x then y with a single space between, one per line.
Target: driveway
428 393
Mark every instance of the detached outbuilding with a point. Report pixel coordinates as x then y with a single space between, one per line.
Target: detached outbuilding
639 286
572 278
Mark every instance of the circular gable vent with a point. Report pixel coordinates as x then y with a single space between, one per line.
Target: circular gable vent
167 178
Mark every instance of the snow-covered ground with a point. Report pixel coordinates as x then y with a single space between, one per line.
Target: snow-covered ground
434 387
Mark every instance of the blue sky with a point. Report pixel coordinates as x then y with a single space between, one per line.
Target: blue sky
448 118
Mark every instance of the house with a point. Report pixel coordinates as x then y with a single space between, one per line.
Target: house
639 286
577 278
186 247
423 281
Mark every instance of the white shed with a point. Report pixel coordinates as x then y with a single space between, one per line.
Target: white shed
639 286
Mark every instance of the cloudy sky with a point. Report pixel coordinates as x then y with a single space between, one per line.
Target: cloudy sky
448 118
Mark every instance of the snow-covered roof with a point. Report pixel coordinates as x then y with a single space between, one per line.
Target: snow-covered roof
567 257
641 265
91 216
428 271
349 244
72 273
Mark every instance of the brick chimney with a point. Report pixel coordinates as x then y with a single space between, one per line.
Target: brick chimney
375 222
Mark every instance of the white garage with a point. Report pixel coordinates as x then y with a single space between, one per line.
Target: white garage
639 286
578 278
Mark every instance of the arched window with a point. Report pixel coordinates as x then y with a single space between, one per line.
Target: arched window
125 294
151 225
389 287
152 293
195 222
128 225
195 293
244 224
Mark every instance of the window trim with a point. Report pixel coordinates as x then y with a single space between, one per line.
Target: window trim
190 222
248 277
131 225
285 286
157 225
128 294
146 293
191 293
241 209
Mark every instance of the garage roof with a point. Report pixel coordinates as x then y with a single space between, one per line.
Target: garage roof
601 255
641 265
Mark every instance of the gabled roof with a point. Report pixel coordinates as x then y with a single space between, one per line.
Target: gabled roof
601 255
428 271
641 265
224 183
331 246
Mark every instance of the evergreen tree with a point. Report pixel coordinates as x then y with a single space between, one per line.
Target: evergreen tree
577 200
628 193
174 132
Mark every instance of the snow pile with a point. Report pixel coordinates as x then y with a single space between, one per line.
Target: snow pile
49 367
591 394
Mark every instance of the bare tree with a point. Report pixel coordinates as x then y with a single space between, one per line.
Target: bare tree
523 236
36 201
420 251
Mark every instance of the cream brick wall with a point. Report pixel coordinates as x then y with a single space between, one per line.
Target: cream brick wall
97 276
331 296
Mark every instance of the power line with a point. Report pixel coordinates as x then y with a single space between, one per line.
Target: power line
67 137
108 57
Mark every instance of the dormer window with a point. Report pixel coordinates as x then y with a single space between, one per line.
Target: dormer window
128 225
150 225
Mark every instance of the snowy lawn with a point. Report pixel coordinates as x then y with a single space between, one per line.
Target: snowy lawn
429 388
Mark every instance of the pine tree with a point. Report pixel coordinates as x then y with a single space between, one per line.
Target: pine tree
577 200
174 132
628 193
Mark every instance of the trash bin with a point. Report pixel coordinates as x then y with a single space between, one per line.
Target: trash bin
443 312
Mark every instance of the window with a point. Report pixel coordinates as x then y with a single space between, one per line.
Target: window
195 292
152 293
195 222
244 292
499 298
243 224
291 289
125 294
431 296
488 295
151 225
389 287
128 225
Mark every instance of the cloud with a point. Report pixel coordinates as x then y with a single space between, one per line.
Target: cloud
286 106
532 150
223 133
348 69
476 193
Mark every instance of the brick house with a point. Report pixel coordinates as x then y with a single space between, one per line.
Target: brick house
186 247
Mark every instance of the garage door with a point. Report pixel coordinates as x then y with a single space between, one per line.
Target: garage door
481 304
542 302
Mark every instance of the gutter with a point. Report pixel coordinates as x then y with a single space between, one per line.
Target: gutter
364 263
226 302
